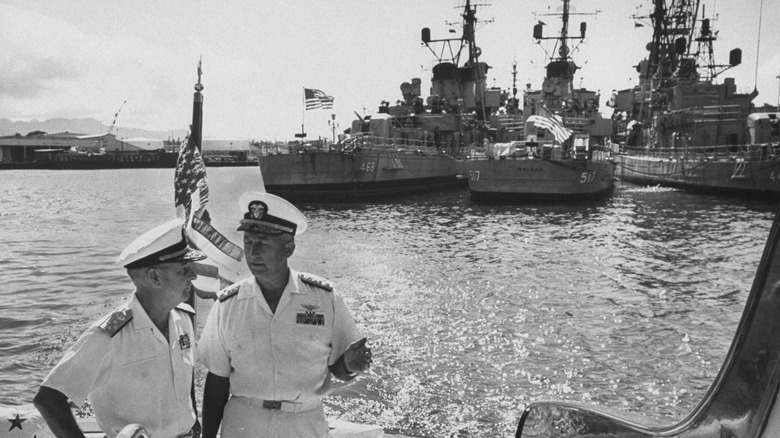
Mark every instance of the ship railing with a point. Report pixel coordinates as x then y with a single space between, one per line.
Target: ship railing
513 122
744 152
395 144
518 150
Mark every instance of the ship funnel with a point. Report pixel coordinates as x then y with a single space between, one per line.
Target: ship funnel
538 31
583 28
735 57
426 35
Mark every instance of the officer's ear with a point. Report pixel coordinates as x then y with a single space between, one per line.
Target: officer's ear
153 275
289 248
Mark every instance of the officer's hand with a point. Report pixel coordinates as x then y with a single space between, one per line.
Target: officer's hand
358 356
133 430
196 429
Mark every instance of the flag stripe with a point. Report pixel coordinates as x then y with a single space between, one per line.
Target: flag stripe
230 270
551 124
204 270
317 99
217 239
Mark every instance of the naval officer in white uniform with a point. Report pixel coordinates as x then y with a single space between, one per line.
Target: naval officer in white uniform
272 341
135 365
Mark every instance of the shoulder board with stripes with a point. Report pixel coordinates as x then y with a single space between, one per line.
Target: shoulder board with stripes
116 321
228 292
184 307
316 281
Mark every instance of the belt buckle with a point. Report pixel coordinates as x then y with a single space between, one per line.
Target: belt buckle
272 404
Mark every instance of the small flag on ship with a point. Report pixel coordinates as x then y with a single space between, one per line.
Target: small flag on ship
551 122
317 99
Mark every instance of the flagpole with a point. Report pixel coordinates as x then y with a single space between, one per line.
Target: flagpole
197 136
197 111
303 111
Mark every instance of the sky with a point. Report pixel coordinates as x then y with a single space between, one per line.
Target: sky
92 58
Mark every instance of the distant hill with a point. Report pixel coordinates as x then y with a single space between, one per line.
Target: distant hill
82 126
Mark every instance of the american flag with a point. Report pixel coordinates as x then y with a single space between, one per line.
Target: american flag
552 123
191 197
191 191
317 99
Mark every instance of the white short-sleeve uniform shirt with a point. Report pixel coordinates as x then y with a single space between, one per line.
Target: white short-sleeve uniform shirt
277 356
134 376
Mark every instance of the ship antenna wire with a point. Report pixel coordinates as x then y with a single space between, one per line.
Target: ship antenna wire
758 44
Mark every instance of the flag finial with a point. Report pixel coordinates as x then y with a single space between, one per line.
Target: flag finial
199 86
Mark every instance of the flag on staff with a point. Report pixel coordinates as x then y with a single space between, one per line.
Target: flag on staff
317 99
189 182
190 199
552 123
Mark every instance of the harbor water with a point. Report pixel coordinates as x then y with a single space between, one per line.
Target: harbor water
473 311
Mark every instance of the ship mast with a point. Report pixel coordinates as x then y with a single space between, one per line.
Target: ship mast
469 24
561 69
564 50
681 45
473 73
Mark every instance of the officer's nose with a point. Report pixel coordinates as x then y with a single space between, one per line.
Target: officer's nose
255 250
191 275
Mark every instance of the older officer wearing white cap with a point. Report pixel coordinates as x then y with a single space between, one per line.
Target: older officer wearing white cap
135 365
272 341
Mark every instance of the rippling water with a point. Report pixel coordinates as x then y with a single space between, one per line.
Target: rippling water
473 311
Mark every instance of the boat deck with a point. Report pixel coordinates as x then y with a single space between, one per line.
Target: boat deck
339 429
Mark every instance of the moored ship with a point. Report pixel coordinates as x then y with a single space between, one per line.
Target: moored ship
415 145
681 128
563 155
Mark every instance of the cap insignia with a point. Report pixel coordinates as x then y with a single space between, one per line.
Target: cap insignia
257 209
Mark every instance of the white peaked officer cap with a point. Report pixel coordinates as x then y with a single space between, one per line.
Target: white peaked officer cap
162 244
270 214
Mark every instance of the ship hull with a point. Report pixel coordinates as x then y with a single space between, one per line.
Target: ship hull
760 178
538 180
322 175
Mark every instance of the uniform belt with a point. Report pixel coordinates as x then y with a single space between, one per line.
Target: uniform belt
187 434
285 406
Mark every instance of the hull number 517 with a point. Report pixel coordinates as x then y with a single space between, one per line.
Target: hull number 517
587 177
